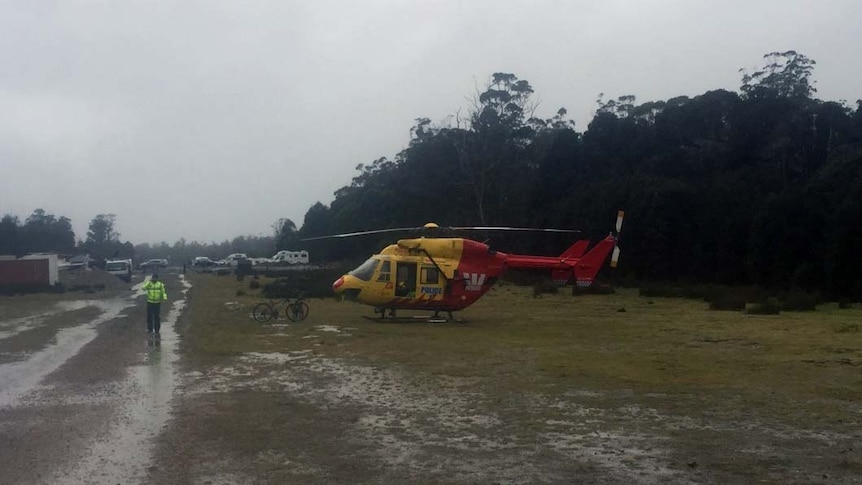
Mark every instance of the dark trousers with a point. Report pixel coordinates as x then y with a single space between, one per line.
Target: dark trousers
154 324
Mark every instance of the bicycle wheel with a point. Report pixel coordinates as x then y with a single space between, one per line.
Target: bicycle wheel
297 311
263 312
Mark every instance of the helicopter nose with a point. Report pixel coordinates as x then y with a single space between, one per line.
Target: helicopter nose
338 283
346 286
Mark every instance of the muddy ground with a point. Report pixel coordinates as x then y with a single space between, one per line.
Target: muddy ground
296 418
299 406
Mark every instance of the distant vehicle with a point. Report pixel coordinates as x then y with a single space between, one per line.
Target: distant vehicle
121 268
235 258
203 262
80 261
154 264
291 257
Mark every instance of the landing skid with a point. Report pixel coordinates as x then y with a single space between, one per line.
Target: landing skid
391 317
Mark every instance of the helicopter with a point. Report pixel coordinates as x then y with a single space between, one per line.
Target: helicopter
446 274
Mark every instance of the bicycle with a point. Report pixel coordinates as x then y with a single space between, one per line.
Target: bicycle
295 309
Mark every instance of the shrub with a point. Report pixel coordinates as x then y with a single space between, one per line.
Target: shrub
727 300
594 289
254 284
543 287
768 306
240 292
705 292
280 288
653 290
799 301
312 283
524 278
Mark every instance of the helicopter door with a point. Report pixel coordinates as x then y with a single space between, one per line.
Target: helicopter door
405 280
432 284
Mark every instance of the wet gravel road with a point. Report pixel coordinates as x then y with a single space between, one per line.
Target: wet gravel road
83 390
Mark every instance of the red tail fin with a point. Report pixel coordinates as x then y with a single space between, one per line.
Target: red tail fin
589 265
562 276
576 250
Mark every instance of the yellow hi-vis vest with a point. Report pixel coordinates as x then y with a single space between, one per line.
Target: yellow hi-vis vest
155 291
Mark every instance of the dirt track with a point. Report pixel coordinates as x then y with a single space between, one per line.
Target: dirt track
83 391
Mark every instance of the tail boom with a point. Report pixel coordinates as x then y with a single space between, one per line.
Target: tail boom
573 261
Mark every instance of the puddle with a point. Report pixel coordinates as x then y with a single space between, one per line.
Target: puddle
277 357
18 378
10 328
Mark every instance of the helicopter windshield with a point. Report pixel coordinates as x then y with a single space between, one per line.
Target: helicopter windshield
365 270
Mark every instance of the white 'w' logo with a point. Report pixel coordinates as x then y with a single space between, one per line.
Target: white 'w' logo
474 281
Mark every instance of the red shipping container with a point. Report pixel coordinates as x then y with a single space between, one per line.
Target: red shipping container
25 272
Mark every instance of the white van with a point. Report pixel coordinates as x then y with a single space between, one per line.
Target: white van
291 257
121 268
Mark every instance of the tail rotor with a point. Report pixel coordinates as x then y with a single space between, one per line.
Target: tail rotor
615 256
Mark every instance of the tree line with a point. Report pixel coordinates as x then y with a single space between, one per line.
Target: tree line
761 186
42 232
757 186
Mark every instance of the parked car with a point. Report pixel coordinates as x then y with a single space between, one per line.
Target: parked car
151 264
203 262
235 258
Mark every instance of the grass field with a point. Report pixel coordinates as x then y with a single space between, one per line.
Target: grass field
797 374
556 342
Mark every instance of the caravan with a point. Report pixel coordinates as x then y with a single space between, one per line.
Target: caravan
290 257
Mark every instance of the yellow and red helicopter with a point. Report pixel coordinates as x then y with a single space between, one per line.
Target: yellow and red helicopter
446 274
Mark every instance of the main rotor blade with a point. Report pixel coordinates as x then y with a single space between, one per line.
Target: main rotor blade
359 233
503 228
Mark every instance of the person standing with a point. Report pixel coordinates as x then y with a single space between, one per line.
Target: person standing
156 294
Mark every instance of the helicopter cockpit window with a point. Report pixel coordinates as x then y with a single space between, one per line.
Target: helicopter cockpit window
385 271
429 276
366 270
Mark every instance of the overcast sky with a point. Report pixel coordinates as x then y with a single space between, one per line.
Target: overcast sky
212 119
